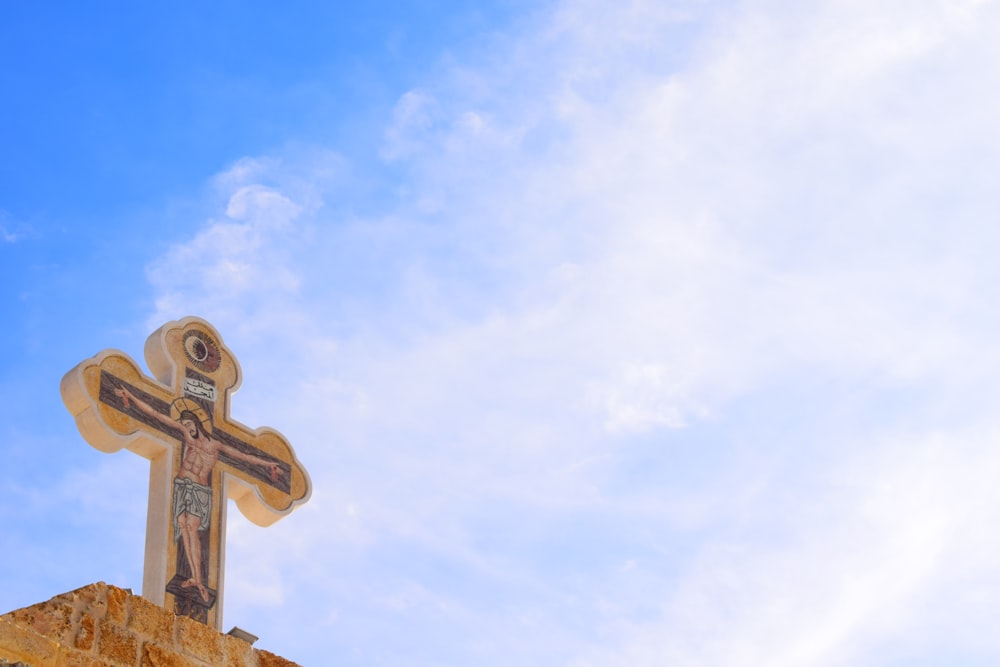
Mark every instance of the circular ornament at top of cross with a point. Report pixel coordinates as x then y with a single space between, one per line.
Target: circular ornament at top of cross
202 350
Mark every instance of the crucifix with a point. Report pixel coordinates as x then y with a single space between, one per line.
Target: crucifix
199 456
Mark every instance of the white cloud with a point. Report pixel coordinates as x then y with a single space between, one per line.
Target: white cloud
675 345
412 116
874 561
245 255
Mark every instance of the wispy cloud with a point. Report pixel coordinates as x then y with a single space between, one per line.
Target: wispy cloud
673 344
9 230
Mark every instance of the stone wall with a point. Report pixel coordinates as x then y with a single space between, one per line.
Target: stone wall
104 626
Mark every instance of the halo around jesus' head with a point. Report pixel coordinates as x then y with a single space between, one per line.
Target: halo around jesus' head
182 405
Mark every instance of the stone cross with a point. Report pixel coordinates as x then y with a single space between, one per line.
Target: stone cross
198 455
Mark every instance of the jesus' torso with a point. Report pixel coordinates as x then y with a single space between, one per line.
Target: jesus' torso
198 459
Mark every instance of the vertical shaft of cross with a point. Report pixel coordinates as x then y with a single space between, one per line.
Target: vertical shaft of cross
154 569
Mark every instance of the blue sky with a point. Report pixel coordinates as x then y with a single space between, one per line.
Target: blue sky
632 333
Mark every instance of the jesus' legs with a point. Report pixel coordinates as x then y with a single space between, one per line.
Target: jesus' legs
189 526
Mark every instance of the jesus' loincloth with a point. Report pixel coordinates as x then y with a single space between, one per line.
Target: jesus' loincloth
192 498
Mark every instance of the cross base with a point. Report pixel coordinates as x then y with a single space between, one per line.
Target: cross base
188 600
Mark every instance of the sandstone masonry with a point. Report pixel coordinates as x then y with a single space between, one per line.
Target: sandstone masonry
104 626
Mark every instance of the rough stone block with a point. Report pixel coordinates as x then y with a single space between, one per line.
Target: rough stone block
117 600
238 653
200 641
104 626
92 599
70 658
86 633
116 645
20 643
52 619
268 659
154 655
149 620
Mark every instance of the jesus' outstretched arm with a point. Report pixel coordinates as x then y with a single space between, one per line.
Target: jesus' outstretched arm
272 467
128 397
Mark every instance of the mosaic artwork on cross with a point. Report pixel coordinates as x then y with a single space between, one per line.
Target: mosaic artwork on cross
198 455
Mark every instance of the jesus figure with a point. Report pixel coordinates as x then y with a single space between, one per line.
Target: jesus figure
192 499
